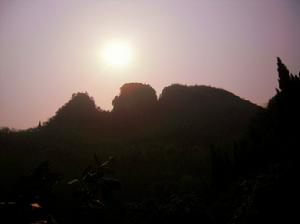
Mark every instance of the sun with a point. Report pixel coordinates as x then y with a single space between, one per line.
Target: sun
117 53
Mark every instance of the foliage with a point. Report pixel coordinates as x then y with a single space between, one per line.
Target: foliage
93 179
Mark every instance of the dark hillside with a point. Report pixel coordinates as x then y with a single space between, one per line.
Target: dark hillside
161 147
205 113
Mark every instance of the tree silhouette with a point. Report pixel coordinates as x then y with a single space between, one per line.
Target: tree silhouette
284 75
95 178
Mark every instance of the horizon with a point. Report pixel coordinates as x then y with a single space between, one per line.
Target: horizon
50 49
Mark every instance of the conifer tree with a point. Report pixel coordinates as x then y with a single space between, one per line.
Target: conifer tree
284 75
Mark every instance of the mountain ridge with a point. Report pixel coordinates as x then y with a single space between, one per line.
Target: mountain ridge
180 111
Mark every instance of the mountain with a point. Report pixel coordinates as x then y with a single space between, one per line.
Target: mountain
205 112
149 136
79 112
134 97
189 113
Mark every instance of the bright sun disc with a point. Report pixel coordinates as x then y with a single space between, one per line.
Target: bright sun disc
117 53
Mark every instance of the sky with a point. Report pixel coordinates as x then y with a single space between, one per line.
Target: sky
50 49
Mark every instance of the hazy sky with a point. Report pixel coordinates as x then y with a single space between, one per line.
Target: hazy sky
50 49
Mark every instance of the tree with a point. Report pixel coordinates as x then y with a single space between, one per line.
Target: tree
97 178
284 75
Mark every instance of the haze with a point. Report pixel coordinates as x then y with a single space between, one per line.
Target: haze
49 48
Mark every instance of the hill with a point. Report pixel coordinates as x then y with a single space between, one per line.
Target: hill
161 145
189 113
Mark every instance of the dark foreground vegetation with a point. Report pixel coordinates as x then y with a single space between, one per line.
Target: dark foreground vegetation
195 154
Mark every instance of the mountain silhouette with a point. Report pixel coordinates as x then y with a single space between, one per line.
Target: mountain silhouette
134 97
192 113
205 110
80 113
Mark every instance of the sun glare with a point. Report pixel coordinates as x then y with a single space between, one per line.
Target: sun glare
117 53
